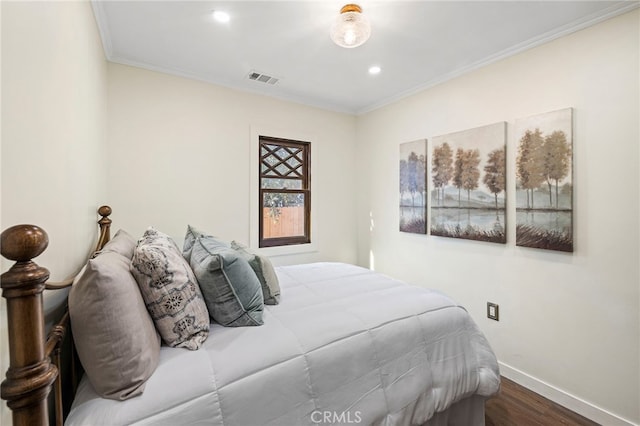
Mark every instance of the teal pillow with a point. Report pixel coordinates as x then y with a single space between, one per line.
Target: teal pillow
190 238
230 288
265 272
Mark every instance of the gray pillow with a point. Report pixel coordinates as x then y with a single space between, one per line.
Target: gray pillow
114 335
229 285
170 291
122 243
265 272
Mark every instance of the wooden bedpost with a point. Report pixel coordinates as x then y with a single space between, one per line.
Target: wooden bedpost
105 226
30 374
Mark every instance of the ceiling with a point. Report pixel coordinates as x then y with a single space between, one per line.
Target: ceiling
418 44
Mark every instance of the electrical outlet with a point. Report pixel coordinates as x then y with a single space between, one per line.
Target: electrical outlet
493 311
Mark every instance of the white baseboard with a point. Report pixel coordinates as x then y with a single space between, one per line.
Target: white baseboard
563 398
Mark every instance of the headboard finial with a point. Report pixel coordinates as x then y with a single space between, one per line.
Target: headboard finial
104 211
105 226
22 243
30 374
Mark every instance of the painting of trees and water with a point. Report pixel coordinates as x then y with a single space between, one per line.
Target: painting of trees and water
413 187
468 176
544 185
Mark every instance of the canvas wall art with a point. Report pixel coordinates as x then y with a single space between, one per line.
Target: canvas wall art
468 181
544 185
413 187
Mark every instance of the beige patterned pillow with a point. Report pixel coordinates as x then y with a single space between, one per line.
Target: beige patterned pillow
114 335
170 291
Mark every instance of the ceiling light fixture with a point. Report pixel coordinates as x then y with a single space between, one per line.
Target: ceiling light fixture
351 28
375 69
221 16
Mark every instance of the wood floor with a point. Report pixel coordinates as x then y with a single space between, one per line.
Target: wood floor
518 406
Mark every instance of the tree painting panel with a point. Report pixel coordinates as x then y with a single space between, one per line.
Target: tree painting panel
544 185
468 177
413 187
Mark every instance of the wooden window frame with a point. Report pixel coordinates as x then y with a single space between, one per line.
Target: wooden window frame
305 177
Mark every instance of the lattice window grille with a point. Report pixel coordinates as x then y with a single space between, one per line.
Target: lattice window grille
281 162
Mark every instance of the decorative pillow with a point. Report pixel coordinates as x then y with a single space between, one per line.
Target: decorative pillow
190 239
122 243
263 268
229 285
170 291
114 335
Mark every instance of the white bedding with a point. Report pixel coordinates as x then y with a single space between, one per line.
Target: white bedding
345 345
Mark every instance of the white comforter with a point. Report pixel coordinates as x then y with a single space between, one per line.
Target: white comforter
345 345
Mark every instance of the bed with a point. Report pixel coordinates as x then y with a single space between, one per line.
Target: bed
344 345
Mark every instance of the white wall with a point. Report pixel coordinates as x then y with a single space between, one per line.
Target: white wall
569 323
53 132
179 154
178 148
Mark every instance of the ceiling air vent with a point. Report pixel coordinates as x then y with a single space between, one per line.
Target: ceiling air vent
264 78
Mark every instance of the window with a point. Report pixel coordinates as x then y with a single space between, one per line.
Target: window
284 192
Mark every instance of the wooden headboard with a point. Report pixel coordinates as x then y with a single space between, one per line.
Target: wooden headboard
34 361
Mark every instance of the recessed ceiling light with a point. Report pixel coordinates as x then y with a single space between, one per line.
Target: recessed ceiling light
375 70
221 16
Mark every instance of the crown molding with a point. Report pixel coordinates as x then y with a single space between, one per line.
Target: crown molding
575 26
